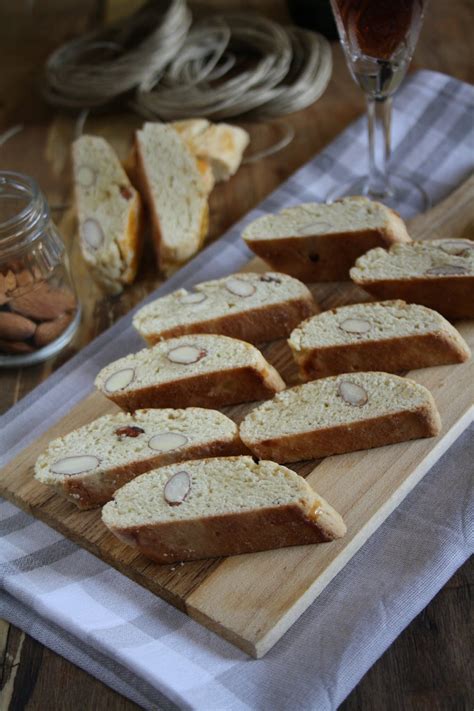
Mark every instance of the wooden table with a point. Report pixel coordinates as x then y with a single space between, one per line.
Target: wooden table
428 667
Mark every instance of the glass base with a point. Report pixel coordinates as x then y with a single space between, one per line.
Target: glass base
405 197
20 360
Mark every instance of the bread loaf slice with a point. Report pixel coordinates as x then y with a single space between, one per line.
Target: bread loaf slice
253 307
221 144
216 507
175 193
193 370
391 335
109 213
315 242
90 463
340 414
436 273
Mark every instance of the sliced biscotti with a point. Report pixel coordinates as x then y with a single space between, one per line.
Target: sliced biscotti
90 463
388 335
315 242
436 273
109 213
253 307
340 414
175 193
193 370
216 507
221 145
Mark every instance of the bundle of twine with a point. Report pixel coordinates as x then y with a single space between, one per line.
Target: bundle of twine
167 67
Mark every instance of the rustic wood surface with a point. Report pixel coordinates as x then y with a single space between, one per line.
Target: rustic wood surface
428 665
252 600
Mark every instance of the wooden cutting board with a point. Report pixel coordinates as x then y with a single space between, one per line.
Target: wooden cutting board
252 600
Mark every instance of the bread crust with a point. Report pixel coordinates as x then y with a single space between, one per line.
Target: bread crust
392 355
90 491
216 389
258 325
233 533
424 421
326 257
452 296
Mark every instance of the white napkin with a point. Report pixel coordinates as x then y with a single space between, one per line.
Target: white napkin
154 654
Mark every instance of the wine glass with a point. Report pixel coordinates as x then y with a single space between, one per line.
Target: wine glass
378 38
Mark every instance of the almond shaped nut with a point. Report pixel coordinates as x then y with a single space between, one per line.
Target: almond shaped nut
355 325
49 331
44 303
456 247
239 287
14 327
15 347
312 227
85 176
119 380
92 234
79 464
352 393
129 431
177 488
447 270
193 297
166 441
10 281
186 355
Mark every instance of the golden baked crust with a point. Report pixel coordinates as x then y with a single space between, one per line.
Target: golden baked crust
391 354
424 421
452 296
224 387
259 325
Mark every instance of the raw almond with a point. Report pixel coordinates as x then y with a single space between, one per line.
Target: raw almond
48 331
14 327
10 281
239 287
166 441
185 355
352 393
177 488
15 347
119 380
44 303
355 325
78 464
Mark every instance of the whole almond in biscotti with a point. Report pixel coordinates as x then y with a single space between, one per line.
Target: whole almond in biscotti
48 331
343 413
44 303
14 327
200 370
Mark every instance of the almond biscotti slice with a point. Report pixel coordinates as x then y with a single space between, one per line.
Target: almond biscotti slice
220 144
90 463
340 414
391 335
253 307
175 193
217 507
193 370
109 213
320 242
436 273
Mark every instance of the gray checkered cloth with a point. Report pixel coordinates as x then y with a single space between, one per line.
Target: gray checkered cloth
154 654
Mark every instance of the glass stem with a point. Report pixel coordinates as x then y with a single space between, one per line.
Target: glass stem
379 115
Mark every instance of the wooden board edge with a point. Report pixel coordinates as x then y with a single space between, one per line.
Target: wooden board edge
259 646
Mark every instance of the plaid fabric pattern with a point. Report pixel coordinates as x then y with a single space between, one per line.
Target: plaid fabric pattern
154 654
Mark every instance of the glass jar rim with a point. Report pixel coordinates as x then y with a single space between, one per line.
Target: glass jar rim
10 177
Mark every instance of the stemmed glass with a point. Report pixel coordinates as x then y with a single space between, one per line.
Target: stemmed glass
378 38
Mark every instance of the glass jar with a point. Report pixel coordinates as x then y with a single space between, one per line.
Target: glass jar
39 311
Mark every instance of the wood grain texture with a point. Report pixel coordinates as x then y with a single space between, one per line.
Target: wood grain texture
252 600
427 667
